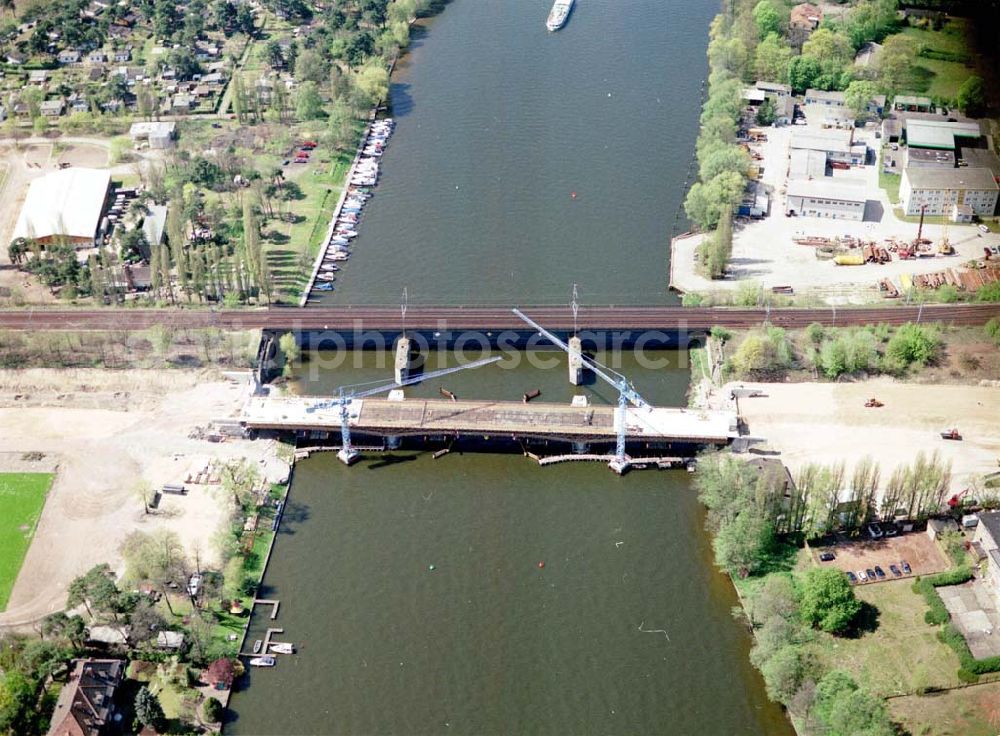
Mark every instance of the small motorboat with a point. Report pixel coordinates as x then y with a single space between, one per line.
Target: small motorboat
323 286
257 645
282 647
329 266
267 661
339 256
346 233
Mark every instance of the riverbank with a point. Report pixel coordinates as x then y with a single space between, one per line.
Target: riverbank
806 428
111 433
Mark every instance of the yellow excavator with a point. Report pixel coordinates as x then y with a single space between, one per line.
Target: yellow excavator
945 248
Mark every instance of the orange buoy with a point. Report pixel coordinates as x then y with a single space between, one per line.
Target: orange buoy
573 195
541 564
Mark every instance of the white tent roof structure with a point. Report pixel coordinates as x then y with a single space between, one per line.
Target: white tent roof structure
66 202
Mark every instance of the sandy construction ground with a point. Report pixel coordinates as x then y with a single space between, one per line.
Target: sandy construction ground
828 422
106 431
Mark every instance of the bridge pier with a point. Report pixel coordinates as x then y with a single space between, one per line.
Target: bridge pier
393 442
619 466
581 448
403 354
575 361
348 456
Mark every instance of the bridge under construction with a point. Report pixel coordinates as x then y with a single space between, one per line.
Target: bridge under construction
395 421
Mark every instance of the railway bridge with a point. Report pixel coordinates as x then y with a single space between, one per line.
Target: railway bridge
349 319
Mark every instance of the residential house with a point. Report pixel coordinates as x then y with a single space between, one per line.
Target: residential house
988 537
38 77
182 103
215 80
123 55
78 103
86 705
805 16
804 19
52 108
97 57
16 57
69 56
95 73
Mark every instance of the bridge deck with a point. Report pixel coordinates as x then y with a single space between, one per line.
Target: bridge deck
501 418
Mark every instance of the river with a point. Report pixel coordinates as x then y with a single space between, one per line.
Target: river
500 122
413 586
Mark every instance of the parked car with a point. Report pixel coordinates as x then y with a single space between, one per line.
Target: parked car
870 573
862 576
895 571
880 572
983 228
852 578
827 556
906 567
874 531
194 584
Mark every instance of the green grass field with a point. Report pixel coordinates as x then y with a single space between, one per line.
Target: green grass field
941 77
22 496
902 655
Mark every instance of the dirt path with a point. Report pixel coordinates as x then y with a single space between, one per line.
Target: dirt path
107 431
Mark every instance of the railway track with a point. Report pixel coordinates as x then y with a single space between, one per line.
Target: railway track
452 318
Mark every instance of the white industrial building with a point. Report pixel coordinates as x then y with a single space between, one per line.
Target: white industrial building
64 206
806 164
827 198
157 134
940 189
838 145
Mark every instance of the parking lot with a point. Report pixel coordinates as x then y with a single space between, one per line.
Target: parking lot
916 548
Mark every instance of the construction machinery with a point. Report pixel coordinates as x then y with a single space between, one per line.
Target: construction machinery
920 239
951 434
627 393
945 248
348 394
873 403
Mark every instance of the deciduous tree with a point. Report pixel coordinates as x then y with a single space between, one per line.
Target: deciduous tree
827 600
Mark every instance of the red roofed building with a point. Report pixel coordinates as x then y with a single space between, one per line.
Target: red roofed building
86 704
806 16
805 19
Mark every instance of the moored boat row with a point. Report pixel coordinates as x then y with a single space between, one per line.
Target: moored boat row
361 180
